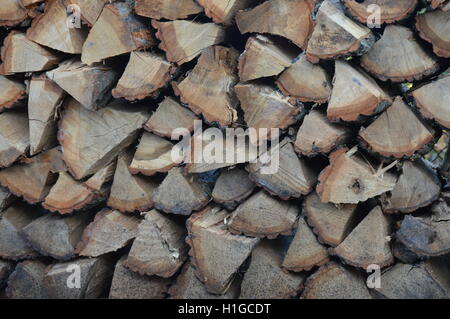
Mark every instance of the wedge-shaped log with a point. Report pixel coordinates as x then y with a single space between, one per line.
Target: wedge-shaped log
208 89
26 282
178 43
224 11
12 92
216 254
12 13
6 198
265 279
159 248
406 60
116 31
232 187
368 243
14 137
434 28
264 216
89 9
167 9
110 231
81 131
100 182
390 11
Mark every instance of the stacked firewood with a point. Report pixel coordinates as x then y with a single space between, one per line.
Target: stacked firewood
94 203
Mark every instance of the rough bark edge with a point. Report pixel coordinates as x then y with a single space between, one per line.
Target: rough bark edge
437 50
404 16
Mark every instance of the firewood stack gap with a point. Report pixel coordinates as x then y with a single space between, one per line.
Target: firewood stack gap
353 104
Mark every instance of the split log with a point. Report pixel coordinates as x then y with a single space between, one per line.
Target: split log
332 223
426 280
224 11
153 155
89 9
159 248
335 35
263 58
417 187
21 55
265 279
293 177
403 254
51 29
427 235
100 181
433 27
232 187
433 101
390 10
170 116
398 132
6 268
129 192
89 85
44 101
289 19
188 286
127 284
6 198
12 92
333 281
181 193
167 9
81 131
95 277
216 253
368 243
409 63
305 251
305 81
318 136
264 216
349 179
109 232
12 13
56 236
178 43
26 282
208 89
12 221
116 31
14 137
355 95
145 75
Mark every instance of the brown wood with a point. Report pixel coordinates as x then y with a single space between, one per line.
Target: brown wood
90 9
208 89
167 9
216 253
12 13
437 3
15 139
100 181
26 282
12 93
390 10
224 11
434 28
232 187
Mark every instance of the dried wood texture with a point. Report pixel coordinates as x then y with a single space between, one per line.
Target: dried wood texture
289 19
263 58
167 9
89 85
95 277
350 179
12 13
12 221
368 243
216 253
54 235
178 43
90 9
436 3
110 231
397 132
224 11
52 30
232 187
433 101
82 131
355 94
100 181
14 137
336 35
434 28
390 10
12 92
6 198
264 216
305 251
305 81
26 282
181 193
21 55
127 284
318 136
391 59
208 89
333 281
145 75
6 268
116 31
43 103
265 279
292 178
159 248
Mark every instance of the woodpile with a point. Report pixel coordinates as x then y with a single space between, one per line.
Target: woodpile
104 109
